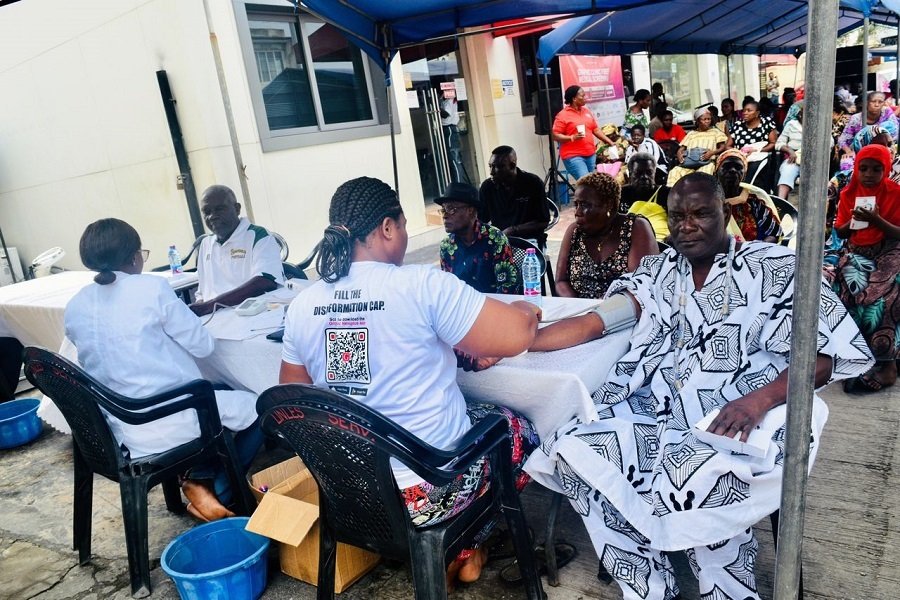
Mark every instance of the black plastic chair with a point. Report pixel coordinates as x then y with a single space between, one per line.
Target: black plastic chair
348 448
520 248
298 271
80 398
554 219
789 226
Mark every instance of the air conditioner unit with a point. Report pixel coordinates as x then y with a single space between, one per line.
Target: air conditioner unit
5 276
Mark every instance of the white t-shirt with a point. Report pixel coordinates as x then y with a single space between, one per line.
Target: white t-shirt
384 335
249 252
136 337
449 106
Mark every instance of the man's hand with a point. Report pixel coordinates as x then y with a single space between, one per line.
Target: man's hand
740 416
201 308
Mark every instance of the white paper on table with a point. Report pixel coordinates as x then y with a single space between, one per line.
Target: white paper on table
226 324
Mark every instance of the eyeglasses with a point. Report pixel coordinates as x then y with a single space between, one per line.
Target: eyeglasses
145 254
449 212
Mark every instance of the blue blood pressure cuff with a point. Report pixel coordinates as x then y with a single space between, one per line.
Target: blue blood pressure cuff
617 312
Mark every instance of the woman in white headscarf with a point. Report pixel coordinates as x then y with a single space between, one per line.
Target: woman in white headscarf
699 148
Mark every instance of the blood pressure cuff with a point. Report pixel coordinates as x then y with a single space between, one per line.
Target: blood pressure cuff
617 312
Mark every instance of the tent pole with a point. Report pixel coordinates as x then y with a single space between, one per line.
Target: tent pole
389 89
554 178
820 62
865 69
728 74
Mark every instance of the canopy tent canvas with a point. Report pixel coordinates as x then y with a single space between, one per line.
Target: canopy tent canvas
701 27
380 27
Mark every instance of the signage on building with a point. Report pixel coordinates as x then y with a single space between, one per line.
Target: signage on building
601 79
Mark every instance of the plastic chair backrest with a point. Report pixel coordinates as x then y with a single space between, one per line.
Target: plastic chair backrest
347 447
554 214
789 220
74 392
282 245
520 247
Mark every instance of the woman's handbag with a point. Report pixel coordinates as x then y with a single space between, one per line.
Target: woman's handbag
693 158
653 212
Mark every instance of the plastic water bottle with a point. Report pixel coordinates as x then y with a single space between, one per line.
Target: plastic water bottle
531 277
175 261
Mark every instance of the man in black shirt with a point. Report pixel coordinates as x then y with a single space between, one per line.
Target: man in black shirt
513 200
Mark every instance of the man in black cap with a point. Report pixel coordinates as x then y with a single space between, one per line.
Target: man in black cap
477 253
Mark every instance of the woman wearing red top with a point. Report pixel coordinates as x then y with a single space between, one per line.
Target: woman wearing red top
866 278
571 128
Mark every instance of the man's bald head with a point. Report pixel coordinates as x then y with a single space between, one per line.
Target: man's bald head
221 211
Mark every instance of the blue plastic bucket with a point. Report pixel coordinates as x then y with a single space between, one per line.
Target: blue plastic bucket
19 423
218 561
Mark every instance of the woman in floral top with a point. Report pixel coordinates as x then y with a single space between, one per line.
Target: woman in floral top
602 244
635 115
476 253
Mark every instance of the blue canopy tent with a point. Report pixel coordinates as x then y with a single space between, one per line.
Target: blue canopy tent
380 27
702 27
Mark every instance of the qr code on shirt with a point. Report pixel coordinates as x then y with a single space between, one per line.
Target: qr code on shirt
347 355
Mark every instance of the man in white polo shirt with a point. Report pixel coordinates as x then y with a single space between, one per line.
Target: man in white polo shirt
239 260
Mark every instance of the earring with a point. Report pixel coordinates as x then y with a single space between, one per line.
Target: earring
608 214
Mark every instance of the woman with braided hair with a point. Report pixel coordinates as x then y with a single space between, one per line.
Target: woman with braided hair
385 335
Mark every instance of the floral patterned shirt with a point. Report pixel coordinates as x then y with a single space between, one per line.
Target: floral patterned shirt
487 265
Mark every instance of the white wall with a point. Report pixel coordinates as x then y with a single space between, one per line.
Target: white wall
499 120
83 133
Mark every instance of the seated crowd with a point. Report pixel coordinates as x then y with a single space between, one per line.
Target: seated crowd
709 316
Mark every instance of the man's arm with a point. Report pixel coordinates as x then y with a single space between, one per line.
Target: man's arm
256 286
531 229
577 330
538 213
744 414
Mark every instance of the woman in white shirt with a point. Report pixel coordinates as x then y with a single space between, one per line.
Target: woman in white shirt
385 334
789 142
136 337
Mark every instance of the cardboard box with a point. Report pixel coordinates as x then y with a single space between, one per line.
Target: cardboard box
289 513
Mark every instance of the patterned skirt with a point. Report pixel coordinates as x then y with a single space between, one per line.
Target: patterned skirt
868 283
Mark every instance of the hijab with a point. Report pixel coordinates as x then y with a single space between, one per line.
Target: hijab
886 193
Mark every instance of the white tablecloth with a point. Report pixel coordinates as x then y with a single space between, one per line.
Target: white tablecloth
33 311
547 387
550 387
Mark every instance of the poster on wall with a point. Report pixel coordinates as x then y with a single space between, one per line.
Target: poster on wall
601 79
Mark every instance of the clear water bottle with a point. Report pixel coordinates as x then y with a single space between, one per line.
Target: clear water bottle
175 261
531 277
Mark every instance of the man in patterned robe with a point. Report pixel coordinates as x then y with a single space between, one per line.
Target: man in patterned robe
713 332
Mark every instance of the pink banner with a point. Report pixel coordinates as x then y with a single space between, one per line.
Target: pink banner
601 79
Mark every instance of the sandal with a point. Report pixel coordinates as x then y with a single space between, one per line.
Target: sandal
565 553
500 546
864 384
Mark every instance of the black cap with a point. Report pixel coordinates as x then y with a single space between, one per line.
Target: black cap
460 192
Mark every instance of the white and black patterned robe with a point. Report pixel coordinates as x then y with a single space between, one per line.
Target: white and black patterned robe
674 489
